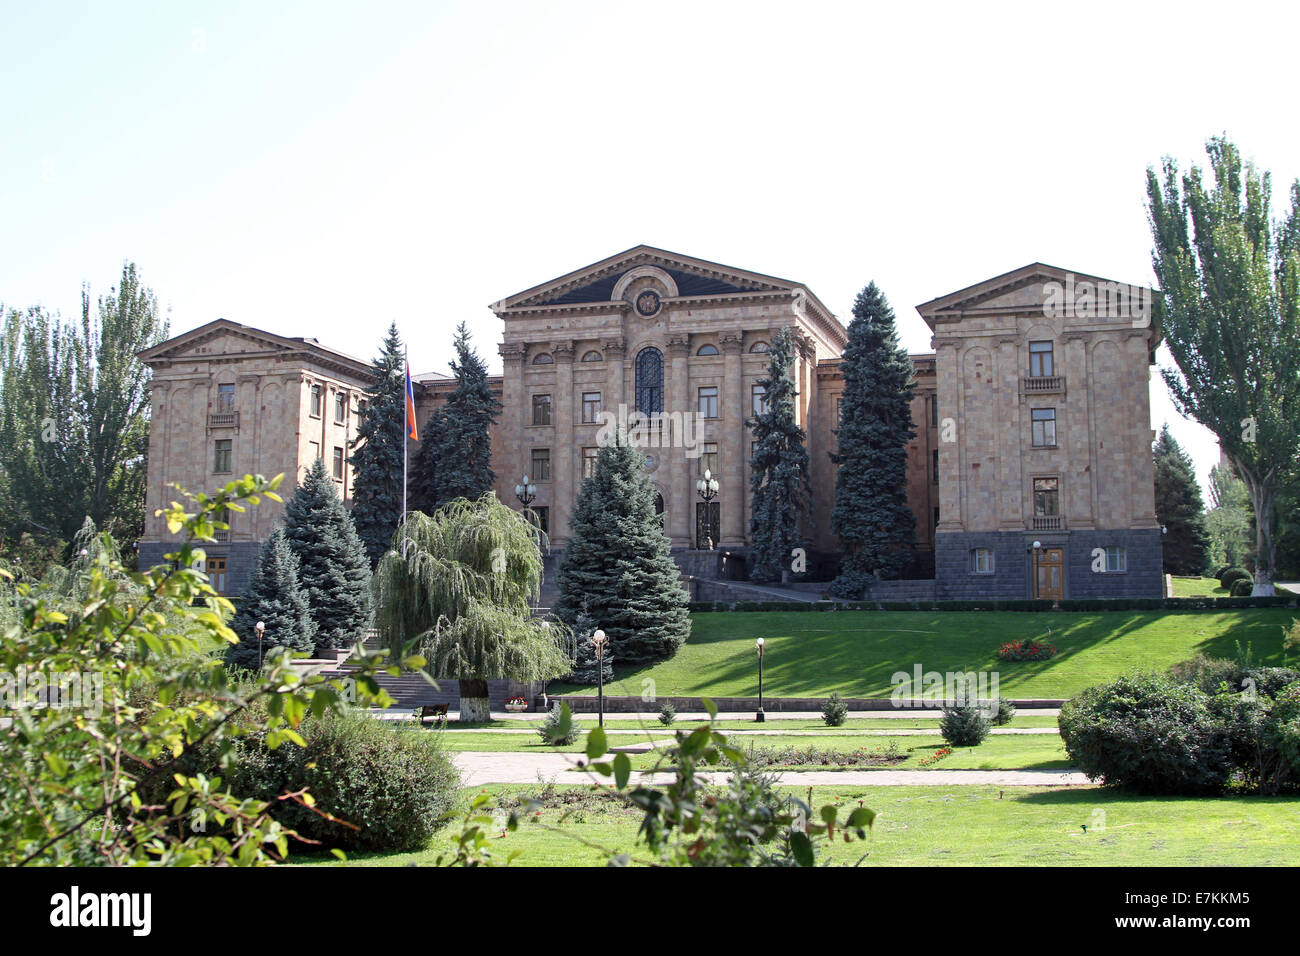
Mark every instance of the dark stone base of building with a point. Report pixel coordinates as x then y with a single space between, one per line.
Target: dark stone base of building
241 558
1012 577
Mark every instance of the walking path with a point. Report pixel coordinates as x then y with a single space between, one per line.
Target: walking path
651 717
659 733
478 769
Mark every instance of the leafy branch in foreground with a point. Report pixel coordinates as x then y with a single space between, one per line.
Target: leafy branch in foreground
114 693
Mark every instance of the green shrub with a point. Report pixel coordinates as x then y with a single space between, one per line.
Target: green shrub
551 731
834 711
667 714
964 724
1230 575
1209 674
1242 587
1149 733
1005 712
1269 681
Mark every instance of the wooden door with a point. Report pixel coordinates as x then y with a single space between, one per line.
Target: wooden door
1049 574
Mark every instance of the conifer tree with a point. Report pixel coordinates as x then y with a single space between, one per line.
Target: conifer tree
455 456
333 570
274 597
870 515
1179 508
779 470
584 653
618 565
378 451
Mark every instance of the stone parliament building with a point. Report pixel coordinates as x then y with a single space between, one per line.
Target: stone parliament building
1030 474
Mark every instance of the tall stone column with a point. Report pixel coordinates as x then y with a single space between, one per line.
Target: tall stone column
732 444
1011 490
1074 432
512 465
562 454
616 394
951 437
678 470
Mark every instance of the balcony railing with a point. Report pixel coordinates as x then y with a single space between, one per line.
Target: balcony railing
1047 523
1042 384
223 419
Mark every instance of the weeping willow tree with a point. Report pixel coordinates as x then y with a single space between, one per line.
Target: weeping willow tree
456 586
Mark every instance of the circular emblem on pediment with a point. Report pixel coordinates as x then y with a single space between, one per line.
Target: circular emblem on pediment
647 303
651 462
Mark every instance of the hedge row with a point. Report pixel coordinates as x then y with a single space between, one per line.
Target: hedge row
1103 604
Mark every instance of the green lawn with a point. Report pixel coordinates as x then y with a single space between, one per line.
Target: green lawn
1198 587
958 826
812 654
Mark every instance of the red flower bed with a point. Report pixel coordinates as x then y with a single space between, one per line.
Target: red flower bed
1029 650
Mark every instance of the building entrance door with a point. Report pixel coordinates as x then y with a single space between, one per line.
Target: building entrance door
1049 578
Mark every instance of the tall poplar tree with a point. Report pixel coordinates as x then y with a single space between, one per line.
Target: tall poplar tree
779 470
870 515
379 449
1179 508
332 565
1229 309
618 566
455 456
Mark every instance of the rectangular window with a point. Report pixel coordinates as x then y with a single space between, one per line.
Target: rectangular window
541 517
541 470
591 406
709 458
1047 496
226 398
1044 427
589 460
759 399
338 463
981 561
935 472
839 411
340 407
541 409
1116 559
1040 359
709 401
313 452
934 412
315 401
221 456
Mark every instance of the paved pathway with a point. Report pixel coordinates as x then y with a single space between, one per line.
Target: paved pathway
652 717
482 768
659 733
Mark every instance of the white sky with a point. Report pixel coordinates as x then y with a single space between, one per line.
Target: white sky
322 169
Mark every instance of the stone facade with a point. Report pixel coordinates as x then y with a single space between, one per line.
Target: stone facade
229 400
1045 438
653 331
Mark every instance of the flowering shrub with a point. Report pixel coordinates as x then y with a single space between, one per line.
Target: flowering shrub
516 701
935 757
1030 650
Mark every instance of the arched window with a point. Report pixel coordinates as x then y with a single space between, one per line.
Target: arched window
543 358
593 356
650 381
758 347
659 508
707 350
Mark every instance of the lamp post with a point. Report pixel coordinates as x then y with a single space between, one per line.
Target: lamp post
259 627
526 492
760 717
598 641
708 489
1034 548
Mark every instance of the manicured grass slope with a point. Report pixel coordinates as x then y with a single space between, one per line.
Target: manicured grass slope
811 654
963 826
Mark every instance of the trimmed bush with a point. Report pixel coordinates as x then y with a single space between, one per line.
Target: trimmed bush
1209 674
1149 733
1230 575
1242 587
834 711
667 714
964 724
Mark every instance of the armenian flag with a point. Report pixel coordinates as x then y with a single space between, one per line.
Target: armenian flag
411 430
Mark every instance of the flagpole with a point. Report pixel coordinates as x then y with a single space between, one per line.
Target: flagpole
406 427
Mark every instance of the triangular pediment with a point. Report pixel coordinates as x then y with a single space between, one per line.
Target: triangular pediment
1021 290
596 283
224 338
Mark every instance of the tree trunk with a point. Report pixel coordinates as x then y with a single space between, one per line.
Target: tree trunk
474 705
1261 499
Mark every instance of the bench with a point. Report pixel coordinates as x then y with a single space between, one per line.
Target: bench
433 710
